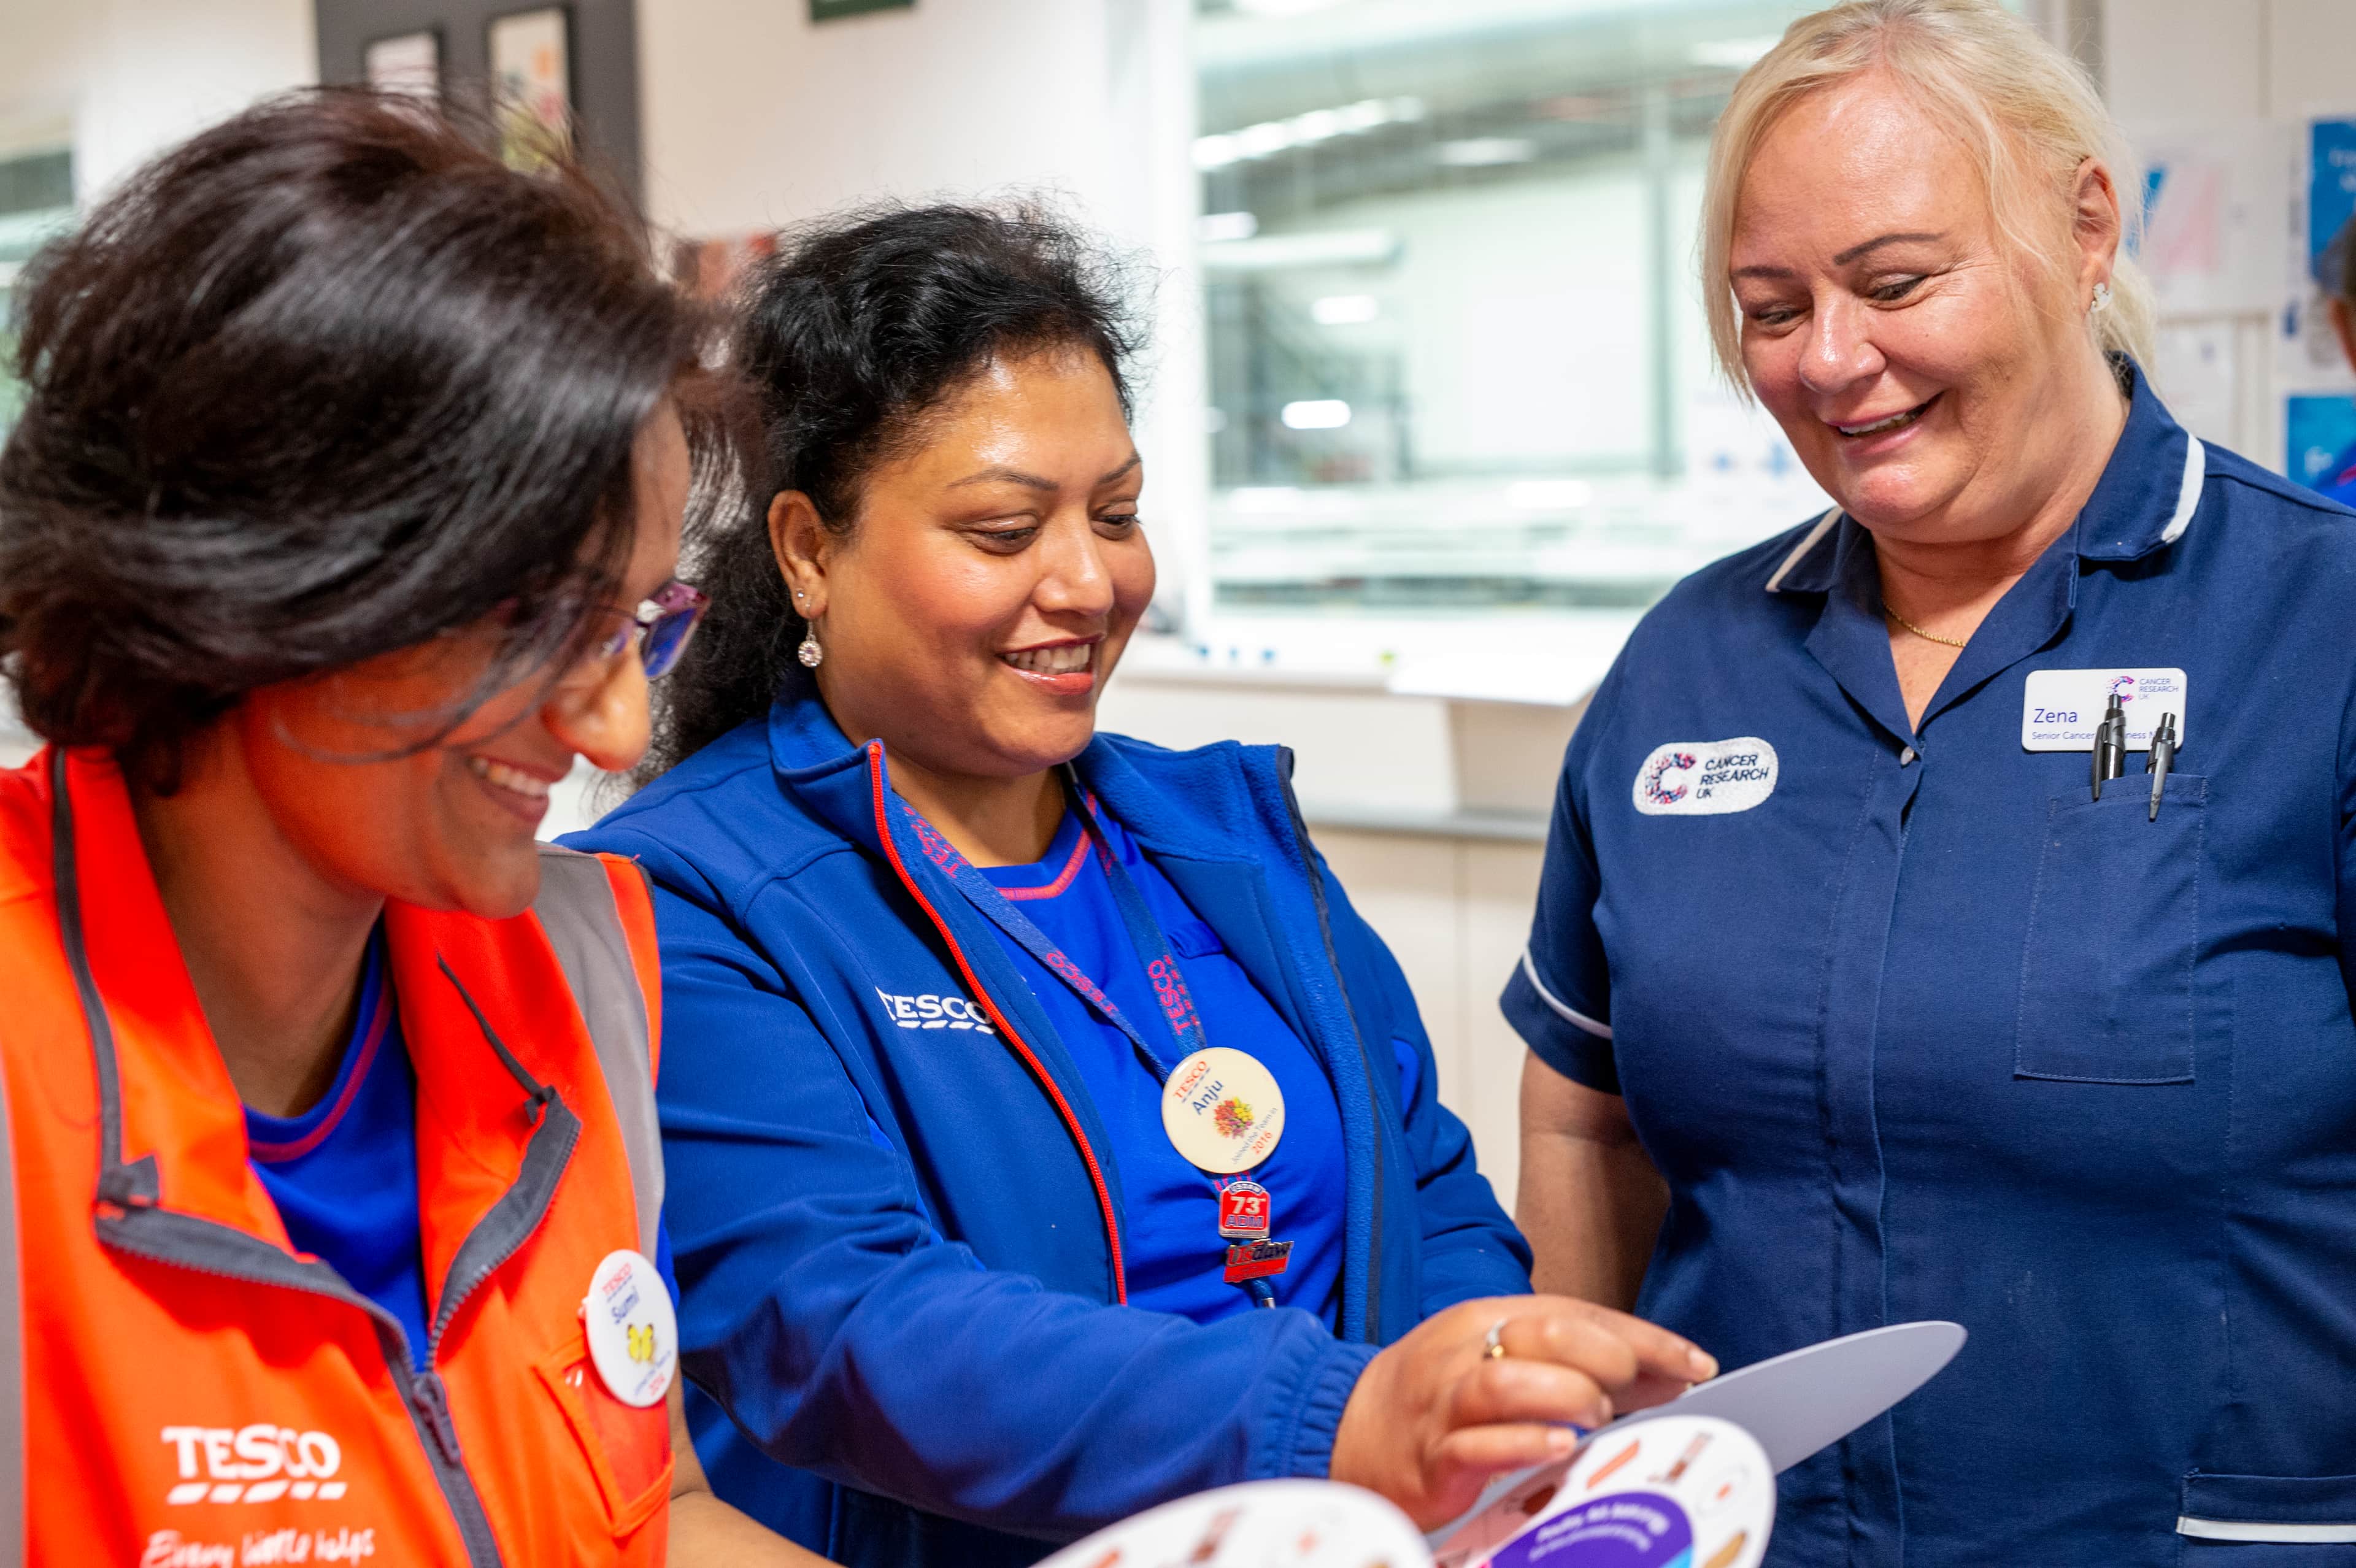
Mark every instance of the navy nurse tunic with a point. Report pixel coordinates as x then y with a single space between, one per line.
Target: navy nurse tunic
1915 1029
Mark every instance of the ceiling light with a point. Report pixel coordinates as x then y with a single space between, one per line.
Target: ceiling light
1316 413
1319 248
1267 137
1264 498
1214 227
1216 152
1317 125
1481 152
1345 310
1548 494
1734 54
1283 7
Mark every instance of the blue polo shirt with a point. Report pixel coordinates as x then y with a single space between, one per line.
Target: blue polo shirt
1174 1254
1915 1029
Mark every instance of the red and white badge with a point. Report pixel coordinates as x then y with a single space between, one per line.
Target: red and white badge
633 1332
1244 1212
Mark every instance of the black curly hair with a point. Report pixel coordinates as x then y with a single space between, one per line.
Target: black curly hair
323 382
856 329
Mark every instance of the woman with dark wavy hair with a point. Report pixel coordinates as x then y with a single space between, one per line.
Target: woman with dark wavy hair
1051 1137
342 518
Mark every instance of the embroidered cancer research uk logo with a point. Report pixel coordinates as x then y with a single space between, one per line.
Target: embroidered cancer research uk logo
1665 765
1706 778
928 1009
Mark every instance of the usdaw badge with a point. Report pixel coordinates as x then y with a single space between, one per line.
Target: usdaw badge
1706 778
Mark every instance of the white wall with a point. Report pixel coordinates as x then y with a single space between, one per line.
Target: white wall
126 78
754 118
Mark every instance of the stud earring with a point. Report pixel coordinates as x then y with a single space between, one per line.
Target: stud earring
810 652
2101 298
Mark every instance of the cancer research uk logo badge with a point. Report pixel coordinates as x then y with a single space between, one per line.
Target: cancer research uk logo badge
1706 778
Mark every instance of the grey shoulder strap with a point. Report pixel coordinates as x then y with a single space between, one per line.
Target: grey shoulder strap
576 909
15 1481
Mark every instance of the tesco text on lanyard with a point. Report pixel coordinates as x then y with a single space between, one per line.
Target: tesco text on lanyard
1221 1107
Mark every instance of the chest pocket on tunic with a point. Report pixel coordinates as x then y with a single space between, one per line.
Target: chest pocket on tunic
2106 992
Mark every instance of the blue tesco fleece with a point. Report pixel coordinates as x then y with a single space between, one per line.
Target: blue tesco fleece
897 1195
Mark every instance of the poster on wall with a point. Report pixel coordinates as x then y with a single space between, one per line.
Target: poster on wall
831 10
2323 231
2319 434
405 62
2316 343
532 72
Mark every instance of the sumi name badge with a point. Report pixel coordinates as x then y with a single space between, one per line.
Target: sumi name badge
2060 708
1223 1111
633 1333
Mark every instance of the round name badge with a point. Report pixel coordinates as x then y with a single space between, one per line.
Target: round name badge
633 1332
1223 1111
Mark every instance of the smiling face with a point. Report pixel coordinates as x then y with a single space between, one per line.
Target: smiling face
1938 385
452 826
994 575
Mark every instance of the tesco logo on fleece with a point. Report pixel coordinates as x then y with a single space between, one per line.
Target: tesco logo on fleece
257 1464
929 1010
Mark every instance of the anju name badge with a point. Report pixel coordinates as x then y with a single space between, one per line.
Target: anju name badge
1223 1111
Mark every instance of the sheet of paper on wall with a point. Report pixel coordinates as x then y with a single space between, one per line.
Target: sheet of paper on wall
2214 197
2197 371
1691 1484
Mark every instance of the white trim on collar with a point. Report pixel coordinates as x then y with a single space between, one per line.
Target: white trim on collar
1775 584
2187 497
1569 1014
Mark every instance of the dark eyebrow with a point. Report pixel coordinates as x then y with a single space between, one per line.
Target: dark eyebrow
1032 481
1005 477
1854 251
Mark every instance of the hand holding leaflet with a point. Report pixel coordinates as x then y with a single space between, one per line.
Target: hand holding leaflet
1437 1415
1687 1484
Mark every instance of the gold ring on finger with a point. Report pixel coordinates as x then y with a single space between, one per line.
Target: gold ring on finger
1493 1344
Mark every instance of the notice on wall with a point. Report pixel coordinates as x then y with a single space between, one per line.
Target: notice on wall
2214 199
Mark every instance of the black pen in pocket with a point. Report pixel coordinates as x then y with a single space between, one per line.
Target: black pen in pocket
2110 745
2162 758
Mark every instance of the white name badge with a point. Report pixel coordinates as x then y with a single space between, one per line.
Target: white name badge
633 1333
1223 1110
2061 707
1706 778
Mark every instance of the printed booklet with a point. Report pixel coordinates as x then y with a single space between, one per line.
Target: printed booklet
1691 1484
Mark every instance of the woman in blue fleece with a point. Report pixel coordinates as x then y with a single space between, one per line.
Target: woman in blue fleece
979 1022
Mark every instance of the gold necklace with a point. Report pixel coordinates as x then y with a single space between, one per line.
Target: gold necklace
1926 636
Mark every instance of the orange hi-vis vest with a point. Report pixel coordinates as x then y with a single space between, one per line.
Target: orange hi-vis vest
193 1391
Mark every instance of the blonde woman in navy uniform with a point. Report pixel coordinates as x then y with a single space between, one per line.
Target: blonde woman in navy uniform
1850 1001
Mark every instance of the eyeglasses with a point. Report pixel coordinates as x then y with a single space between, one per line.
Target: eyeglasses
662 625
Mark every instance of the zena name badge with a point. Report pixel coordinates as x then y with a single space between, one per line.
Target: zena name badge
2061 707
